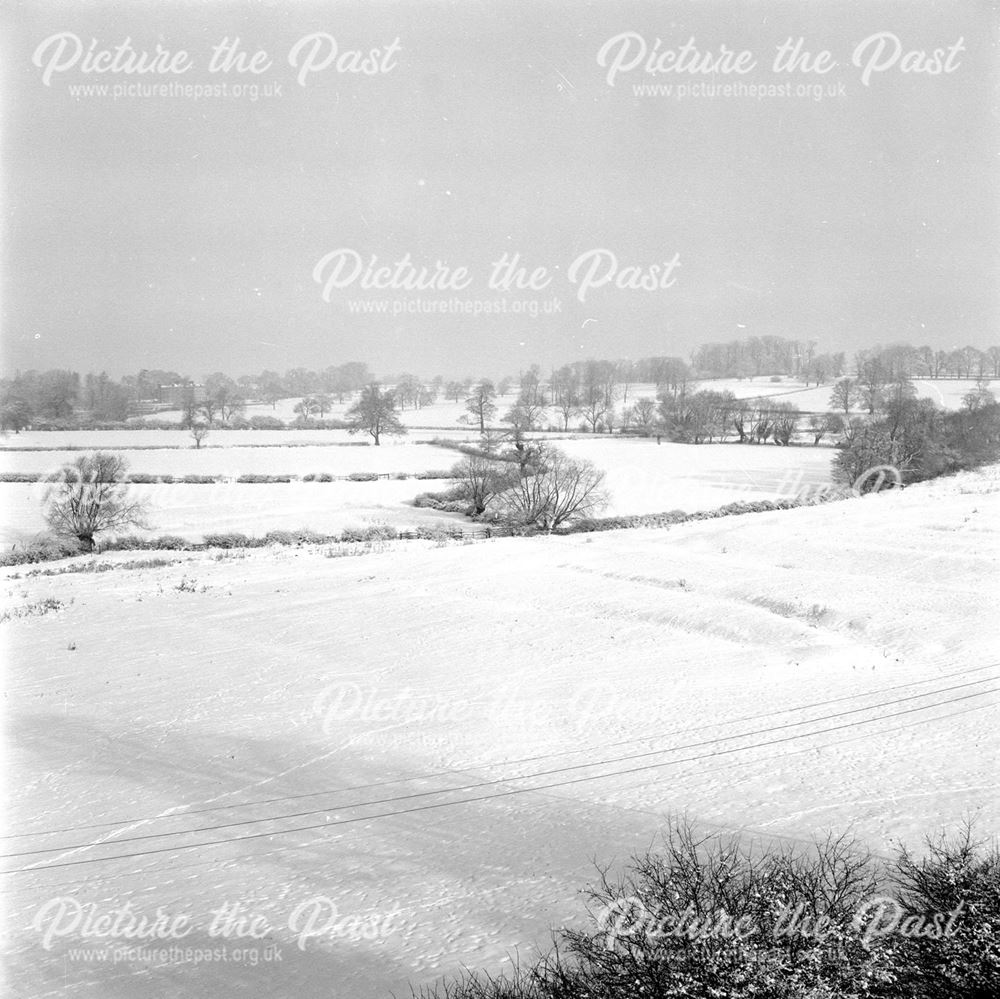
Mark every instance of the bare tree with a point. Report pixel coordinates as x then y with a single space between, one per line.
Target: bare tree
304 408
593 406
624 376
89 496
642 415
209 409
978 397
785 417
993 356
190 407
872 380
555 490
526 413
199 431
408 388
480 479
565 394
222 397
844 396
375 414
821 424
531 385
480 403
491 439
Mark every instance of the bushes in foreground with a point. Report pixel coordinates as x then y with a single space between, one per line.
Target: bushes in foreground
713 917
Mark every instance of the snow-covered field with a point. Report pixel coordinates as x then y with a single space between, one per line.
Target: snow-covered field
235 460
47 440
194 510
642 477
286 732
947 392
645 477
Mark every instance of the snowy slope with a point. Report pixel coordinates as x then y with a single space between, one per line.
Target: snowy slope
784 673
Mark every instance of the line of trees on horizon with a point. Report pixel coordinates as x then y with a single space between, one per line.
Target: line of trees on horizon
588 390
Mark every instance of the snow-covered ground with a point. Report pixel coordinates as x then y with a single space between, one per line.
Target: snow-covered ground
781 673
48 440
642 477
947 392
194 510
285 460
645 477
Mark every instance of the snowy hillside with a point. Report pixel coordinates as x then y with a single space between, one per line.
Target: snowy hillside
316 733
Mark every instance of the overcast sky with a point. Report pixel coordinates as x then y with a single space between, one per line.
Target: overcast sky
182 232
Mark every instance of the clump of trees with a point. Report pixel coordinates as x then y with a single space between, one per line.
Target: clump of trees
917 439
65 398
528 485
551 490
15 414
312 406
698 416
822 424
713 917
90 496
767 355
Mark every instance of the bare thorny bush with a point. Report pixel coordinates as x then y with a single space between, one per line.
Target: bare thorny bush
717 917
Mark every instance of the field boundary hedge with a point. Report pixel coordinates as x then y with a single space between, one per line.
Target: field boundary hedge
248 478
737 509
181 447
49 548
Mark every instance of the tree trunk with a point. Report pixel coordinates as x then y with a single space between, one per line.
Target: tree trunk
86 542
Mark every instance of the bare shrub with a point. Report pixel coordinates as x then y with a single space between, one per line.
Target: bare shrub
554 491
89 496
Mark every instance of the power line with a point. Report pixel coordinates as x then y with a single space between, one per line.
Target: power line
525 759
497 780
464 801
736 763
